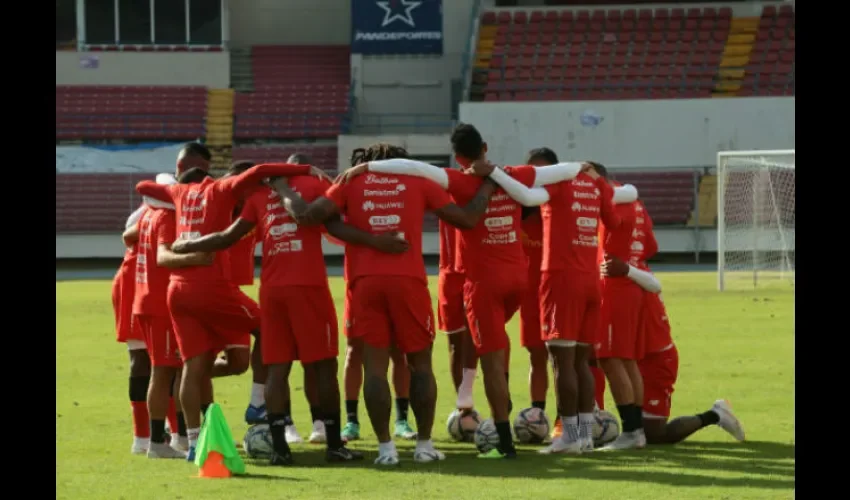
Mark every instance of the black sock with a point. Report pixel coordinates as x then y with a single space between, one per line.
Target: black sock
332 430
139 388
181 424
506 441
315 413
157 431
351 410
539 404
638 416
277 425
204 409
709 418
627 416
401 406
287 413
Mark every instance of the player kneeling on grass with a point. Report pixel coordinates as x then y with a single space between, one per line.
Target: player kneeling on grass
660 368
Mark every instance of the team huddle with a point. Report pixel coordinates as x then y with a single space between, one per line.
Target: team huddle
574 268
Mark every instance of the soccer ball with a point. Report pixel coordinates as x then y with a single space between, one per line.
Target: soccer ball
486 437
461 426
606 428
258 441
531 426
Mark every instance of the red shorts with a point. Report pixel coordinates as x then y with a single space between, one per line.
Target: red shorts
530 333
621 332
489 307
126 327
298 323
450 314
160 339
392 311
209 317
569 306
659 371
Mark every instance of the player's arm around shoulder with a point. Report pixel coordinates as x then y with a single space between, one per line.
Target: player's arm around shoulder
304 213
467 217
390 242
215 242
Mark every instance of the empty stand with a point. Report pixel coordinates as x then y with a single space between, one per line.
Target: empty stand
323 156
120 112
601 54
668 196
770 71
95 203
299 92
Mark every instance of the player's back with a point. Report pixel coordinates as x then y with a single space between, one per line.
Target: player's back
152 279
656 324
571 225
448 247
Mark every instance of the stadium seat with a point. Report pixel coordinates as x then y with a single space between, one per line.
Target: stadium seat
322 155
770 71
668 196
95 203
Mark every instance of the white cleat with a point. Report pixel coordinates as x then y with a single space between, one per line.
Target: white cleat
627 441
140 446
162 450
586 445
428 455
292 436
318 435
387 459
180 443
561 445
728 421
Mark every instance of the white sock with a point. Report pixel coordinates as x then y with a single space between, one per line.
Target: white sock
193 434
465 389
585 421
387 448
425 445
570 428
141 442
258 395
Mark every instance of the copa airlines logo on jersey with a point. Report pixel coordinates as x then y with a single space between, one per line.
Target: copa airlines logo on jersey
396 27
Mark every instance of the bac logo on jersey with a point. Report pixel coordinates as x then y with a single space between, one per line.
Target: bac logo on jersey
384 220
283 229
497 222
586 222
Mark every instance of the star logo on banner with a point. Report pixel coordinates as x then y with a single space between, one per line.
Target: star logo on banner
398 10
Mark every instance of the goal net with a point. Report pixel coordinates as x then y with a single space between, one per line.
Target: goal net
755 219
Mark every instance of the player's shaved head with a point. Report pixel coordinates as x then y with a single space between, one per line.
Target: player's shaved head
193 176
375 152
599 168
193 155
299 159
238 167
542 156
467 142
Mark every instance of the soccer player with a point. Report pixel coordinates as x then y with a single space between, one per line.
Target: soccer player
660 366
492 260
390 301
156 233
208 312
569 289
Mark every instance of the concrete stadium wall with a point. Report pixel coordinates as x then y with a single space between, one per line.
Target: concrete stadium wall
110 246
657 133
210 69
416 144
290 22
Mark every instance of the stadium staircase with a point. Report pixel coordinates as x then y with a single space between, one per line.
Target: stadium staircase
483 54
707 203
220 127
736 56
241 70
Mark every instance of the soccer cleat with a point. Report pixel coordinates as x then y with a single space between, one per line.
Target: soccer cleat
557 429
562 445
627 441
140 446
342 454
428 455
403 430
190 455
255 414
292 436
586 444
351 432
163 450
728 421
281 458
180 443
318 435
387 459
495 453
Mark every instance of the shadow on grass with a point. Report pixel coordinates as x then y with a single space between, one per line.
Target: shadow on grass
761 464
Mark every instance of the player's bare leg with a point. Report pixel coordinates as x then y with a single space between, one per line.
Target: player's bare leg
376 393
620 375
278 403
508 376
498 395
455 343
140 373
586 396
196 374
660 430
179 440
423 398
353 381
311 392
538 376
401 386
256 411
327 393
159 393
563 356
599 383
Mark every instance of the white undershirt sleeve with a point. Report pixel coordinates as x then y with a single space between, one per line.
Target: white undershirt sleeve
645 280
402 166
529 197
165 179
134 217
552 174
625 194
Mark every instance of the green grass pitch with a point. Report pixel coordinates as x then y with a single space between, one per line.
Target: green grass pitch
736 345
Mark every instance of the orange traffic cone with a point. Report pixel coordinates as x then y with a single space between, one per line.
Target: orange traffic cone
214 466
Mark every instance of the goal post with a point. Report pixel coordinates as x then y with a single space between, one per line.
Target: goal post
755 219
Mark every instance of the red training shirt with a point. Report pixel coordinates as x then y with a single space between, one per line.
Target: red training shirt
241 257
656 323
156 227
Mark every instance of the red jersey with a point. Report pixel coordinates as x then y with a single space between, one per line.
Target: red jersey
570 223
493 248
207 207
643 245
127 269
379 203
532 243
618 241
157 226
242 259
448 247
656 323
292 254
